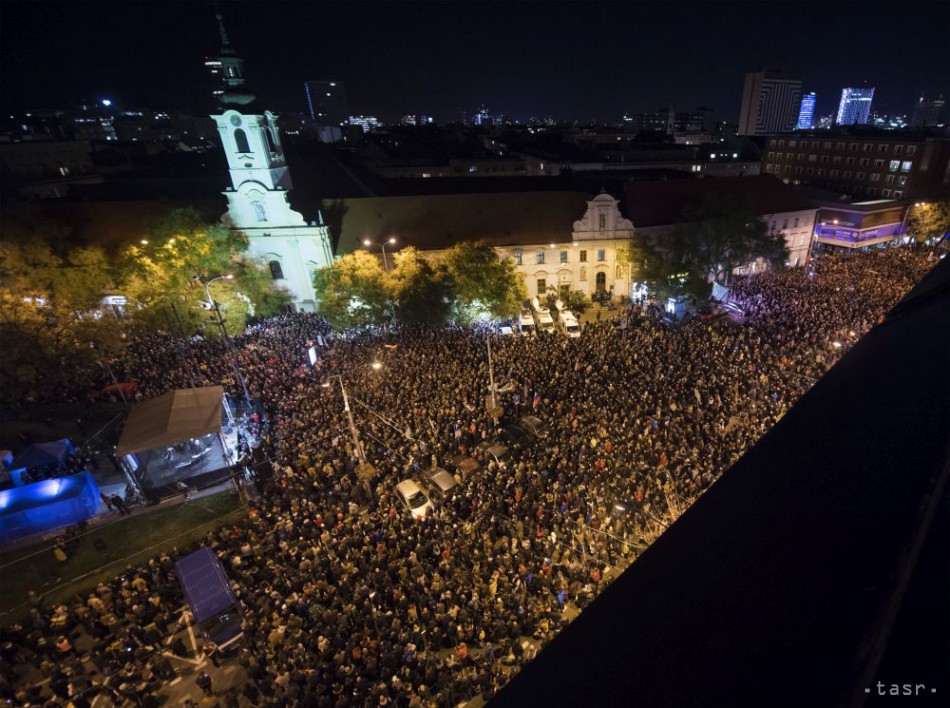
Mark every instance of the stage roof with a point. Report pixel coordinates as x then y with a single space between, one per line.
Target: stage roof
172 417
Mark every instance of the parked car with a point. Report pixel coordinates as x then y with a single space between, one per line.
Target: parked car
413 498
515 437
535 426
499 453
440 483
463 465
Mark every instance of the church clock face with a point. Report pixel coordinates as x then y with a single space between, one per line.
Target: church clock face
236 121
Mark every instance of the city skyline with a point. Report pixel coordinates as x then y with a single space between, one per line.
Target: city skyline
527 59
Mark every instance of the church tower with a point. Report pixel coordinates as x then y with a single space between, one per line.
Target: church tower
257 196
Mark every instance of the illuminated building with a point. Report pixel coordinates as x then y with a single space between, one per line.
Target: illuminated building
927 112
226 69
855 106
327 103
770 103
806 114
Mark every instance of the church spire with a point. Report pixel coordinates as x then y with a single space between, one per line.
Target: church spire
227 71
225 44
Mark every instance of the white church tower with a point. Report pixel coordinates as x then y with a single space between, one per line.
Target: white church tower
257 197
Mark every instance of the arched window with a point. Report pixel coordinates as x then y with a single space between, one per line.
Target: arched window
259 211
240 141
601 282
268 136
276 271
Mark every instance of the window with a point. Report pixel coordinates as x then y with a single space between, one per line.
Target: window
901 181
879 163
240 141
798 170
778 156
824 159
860 175
833 173
886 193
872 191
906 165
894 165
882 147
276 271
889 179
517 257
539 258
911 149
771 155
847 174
772 226
812 158
784 224
821 171
268 136
836 160
853 147
601 222
563 256
897 194
791 143
542 287
839 146
875 177
788 168
868 147
601 255
259 211
796 222
583 257
864 162
810 171
849 161
826 145
898 149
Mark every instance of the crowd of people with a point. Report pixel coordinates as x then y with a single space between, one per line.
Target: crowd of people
347 599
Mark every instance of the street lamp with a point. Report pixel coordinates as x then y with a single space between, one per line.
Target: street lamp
365 471
227 338
391 240
915 205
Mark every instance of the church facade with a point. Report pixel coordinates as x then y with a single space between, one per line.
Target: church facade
278 236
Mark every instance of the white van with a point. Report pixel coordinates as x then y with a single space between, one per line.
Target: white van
526 323
569 324
542 316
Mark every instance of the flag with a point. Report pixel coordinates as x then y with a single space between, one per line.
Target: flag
537 400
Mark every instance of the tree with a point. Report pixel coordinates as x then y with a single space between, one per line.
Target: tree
50 316
425 294
485 282
929 220
714 237
353 291
161 272
575 301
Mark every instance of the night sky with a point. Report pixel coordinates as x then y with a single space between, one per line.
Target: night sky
565 59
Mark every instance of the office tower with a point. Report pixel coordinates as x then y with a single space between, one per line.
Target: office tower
326 101
928 112
770 103
806 114
855 106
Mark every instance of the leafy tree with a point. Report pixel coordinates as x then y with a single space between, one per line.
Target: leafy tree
50 316
929 220
574 300
425 294
181 252
485 282
714 237
353 291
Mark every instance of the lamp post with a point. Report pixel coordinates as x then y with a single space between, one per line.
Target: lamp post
365 471
227 339
391 240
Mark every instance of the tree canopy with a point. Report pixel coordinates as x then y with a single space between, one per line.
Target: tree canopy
485 282
715 236
929 220
353 291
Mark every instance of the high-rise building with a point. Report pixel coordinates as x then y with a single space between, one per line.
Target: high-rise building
226 69
367 123
855 106
928 112
770 103
806 114
326 101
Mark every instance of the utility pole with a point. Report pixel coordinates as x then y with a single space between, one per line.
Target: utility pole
227 338
365 472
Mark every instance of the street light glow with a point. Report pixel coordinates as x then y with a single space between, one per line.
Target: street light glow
366 242
377 365
392 239
144 241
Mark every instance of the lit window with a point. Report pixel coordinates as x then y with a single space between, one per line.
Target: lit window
895 165
906 165
563 256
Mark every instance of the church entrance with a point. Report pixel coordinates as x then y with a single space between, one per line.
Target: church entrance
601 282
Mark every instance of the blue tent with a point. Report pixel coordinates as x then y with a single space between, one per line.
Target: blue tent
47 505
40 454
